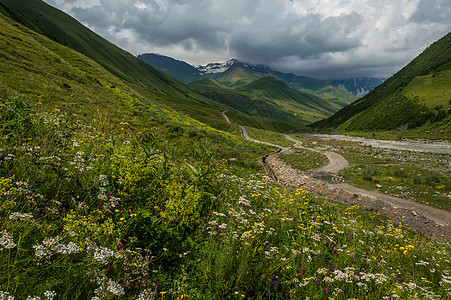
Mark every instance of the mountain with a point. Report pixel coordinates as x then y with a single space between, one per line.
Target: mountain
176 68
419 94
147 81
358 86
321 88
267 97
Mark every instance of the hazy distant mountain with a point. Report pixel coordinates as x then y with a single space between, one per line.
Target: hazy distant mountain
247 73
176 68
417 95
358 86
267 97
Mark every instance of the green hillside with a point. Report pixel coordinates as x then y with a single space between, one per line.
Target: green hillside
266 97
238 76
145 80
274 115
416 96
108 194
176 68
321 88
334 95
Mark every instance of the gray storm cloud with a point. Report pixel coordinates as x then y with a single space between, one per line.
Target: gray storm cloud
322 38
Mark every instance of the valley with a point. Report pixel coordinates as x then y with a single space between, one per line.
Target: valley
423 218
123 180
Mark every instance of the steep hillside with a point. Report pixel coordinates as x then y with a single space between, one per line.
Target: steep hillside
52 74
234 73
106 194
417 95
237 76
359 86
267 97
275 115
176 68
146 80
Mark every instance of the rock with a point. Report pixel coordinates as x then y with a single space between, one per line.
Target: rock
378 186
414 213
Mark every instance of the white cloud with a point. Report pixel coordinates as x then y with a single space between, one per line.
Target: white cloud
324 38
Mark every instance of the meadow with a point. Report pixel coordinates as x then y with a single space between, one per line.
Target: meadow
97 208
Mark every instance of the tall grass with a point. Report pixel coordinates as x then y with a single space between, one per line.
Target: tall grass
93 210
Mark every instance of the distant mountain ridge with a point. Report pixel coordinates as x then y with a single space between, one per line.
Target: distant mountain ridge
176 68
321 88
358 86
267 97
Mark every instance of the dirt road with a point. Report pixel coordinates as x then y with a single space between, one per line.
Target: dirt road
432 222
225 116
246 136
336 161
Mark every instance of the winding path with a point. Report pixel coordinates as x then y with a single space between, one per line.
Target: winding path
431 221
223 113
336 161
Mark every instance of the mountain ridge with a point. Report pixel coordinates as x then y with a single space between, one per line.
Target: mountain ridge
321 88
358 86
417 95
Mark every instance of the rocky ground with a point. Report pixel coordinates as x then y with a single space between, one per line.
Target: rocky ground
433 223
325 182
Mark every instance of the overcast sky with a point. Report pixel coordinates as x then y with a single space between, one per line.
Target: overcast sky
327 39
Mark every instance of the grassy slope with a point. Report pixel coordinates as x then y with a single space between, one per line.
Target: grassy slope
178 69
267 97
249 104
405 98
274 90
53 74
145 80
335 95
320 88
237 76
112 181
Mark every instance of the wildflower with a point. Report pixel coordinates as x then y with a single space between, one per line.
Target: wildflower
6 241
20 216
103 180
146 295
115 288
5 296
324 290
49 294
102 254
40 251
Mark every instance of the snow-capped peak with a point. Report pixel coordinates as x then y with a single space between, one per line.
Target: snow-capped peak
213 68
